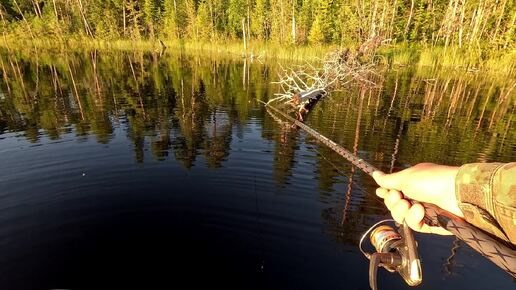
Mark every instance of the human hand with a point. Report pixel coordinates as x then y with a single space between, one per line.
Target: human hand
425 182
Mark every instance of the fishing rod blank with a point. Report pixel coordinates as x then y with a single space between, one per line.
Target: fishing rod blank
500 252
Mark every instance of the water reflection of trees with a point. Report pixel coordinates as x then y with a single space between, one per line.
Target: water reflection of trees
184 107
163 103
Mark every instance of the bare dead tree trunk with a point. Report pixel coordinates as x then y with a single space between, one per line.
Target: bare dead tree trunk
360 18
58 24
452 19
37 8
382 18
447 23
293 22
461 29
480 22
85 21
484 24
34 7
475 23
125 18
500 16
248 21
394 11
432 12
372 28
244 35
24 19
55 10
449 18
410 16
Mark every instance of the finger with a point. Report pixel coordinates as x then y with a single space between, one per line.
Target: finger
382 192
392 197
391 181
414 219
400 210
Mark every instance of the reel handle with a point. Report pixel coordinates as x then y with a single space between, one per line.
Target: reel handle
387 260
410 271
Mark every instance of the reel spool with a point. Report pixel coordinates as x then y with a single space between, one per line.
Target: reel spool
396 251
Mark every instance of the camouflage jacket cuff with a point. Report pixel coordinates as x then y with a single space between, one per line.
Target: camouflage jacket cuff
474 192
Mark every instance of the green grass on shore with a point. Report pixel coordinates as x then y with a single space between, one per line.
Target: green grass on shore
256 49
470 60
502 63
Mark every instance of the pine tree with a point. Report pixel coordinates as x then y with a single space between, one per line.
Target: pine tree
170 26
237 10
280 20
190 14
260 25
204 29
306 18
316 33
347 26
323 26
151 12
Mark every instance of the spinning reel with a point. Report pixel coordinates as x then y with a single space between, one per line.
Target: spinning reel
396 251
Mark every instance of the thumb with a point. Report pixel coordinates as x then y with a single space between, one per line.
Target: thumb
390 181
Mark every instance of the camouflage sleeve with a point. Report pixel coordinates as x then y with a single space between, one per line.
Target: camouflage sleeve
486 194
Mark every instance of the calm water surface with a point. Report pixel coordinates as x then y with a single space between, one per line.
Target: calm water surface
131 170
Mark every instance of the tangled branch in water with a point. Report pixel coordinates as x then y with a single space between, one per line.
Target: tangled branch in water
338 69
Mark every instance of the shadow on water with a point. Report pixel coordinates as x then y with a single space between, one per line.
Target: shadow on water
127 169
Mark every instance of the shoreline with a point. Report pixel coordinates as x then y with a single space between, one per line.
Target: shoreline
396 55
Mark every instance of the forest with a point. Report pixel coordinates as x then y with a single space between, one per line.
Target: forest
481 25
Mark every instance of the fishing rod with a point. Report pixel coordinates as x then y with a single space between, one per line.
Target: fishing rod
396 250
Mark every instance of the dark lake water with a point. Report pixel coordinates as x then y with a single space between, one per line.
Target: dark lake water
132 170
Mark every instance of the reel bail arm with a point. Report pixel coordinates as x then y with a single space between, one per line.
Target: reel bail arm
396 251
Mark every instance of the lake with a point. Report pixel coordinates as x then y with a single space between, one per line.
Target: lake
140 170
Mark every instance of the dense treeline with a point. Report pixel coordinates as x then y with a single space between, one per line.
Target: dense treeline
342 22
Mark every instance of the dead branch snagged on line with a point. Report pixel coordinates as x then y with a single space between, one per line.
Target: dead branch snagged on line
339 68
302 86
